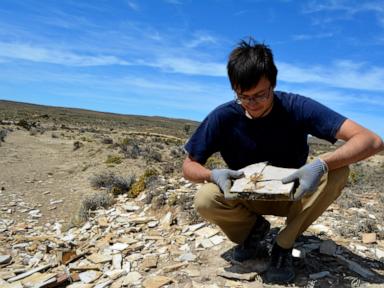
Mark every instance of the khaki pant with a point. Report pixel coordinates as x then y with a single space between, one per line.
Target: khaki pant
237 217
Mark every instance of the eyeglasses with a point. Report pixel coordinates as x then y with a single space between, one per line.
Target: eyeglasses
257 98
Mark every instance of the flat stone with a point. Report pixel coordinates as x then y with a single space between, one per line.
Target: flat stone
102 222
239 276
99 258
152 224
166 220
37 279
4 259
149 261
79 285
114 274
117 260
217 239
369 238
207 232
131 278
379 253
156 281
328 247
119 246
103 284
187 257
89 276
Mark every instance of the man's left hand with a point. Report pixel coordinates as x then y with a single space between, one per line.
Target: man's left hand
308 177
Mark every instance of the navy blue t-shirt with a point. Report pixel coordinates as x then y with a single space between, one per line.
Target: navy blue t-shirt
279 138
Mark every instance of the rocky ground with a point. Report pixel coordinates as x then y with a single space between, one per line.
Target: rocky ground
59 227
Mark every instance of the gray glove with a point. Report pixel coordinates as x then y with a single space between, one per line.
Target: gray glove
223 177
308 177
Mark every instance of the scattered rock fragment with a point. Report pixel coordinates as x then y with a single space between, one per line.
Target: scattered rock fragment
4 259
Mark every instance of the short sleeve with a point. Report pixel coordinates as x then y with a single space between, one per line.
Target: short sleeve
320 120
205 141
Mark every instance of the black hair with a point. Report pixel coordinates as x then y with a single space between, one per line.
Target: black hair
248 63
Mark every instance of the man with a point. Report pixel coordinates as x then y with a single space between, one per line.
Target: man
267 125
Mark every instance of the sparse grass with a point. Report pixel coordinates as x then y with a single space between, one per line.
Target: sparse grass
113 159
113 183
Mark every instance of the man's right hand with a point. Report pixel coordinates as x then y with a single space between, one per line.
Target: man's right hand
223 177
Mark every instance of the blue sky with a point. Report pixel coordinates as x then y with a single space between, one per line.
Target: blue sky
168 57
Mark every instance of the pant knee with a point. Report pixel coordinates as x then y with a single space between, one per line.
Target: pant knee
205 198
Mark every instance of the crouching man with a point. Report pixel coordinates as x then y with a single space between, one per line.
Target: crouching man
260 125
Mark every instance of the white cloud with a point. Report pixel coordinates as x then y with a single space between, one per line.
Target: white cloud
341 74
133 5
28 52
345 8
299 37
189 66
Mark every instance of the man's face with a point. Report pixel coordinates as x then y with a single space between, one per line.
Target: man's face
258 100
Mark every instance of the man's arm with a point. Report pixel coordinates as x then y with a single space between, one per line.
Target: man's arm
360 143
194 171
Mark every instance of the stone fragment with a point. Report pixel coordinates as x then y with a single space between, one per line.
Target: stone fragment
369 238
89 276
156 281
328 247
119 246
117 283
13 285
379 253
103 284
30 272
131 278
187 257
37 279
319 275
355 267
152 224
102 222
4 259
173 267
149 261
319 229
243 276
217 239
99 258
117 259
298 253
79 285
115 274
166 220
206 232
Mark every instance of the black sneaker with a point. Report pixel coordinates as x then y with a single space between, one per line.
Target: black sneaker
280 269
252 246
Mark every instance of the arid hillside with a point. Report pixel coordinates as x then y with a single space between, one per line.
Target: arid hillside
98 200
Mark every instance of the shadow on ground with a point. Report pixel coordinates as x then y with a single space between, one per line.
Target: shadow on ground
340 269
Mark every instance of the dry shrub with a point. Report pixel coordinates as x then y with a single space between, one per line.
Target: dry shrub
113 159
113 183
107 140
130 148
95 201
77 145
3 134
